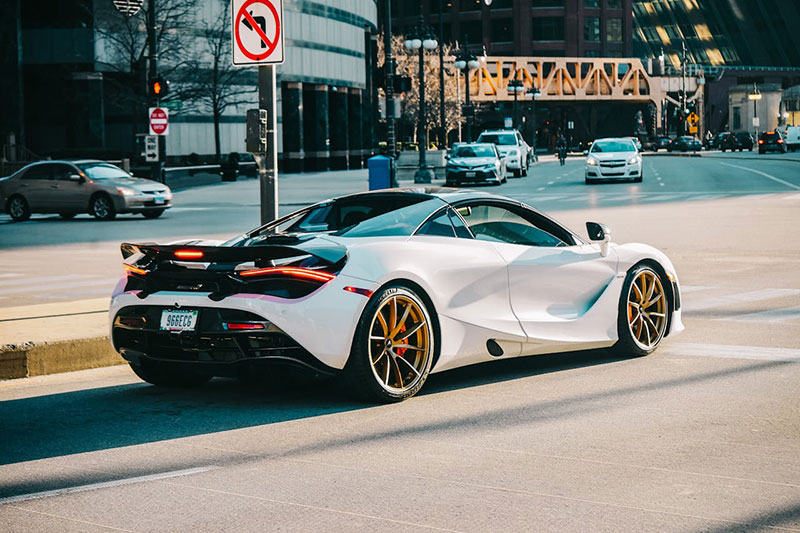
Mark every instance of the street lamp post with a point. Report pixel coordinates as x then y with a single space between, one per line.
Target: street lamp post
422 39
515 87
442 124
754 97
533 92
464 62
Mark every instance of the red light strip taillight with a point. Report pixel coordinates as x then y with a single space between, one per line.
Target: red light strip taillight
295 272
243 326
188 254
133 269
362 292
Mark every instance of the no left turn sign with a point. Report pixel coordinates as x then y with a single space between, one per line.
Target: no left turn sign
257 32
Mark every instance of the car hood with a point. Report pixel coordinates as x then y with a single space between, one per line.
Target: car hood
472 161
137 184
607 156
507 149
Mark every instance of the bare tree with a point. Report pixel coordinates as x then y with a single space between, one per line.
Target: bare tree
218 85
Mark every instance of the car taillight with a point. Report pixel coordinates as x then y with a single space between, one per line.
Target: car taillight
761 141
780 141
188 254
134 270
242 326
295 272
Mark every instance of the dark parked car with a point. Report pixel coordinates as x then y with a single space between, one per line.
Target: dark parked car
684 144
741 140
660 142
715 142
771 141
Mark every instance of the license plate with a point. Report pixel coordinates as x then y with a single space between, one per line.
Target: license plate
178 320
471 174
159 200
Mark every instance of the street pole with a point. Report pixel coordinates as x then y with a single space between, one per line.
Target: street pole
533 118
683 88
468 128
268 164
388 65
516 110
157 172
442 124
421 129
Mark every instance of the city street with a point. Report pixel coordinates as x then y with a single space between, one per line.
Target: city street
702 435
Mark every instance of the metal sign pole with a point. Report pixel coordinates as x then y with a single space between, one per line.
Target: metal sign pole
268 161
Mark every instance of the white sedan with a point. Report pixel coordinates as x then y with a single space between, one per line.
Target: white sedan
613 159
384 288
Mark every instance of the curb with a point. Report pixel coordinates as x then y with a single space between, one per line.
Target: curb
31 359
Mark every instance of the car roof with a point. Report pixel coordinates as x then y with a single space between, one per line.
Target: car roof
510 130
446 194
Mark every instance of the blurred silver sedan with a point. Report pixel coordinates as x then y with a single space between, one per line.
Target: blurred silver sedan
84 186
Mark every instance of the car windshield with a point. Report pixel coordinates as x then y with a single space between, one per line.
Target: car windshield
501 139
475 151
102 171
355 216
613 146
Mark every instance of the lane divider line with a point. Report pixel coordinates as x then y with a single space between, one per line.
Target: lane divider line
104 485
729 351
773 178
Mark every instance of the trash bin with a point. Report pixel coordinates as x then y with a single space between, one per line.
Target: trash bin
381 172
230 168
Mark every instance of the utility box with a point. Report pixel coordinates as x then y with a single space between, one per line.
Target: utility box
381 172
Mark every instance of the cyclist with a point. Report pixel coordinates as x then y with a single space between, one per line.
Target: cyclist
561 148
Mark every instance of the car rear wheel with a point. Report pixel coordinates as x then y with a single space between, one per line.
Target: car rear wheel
18 208
102 207
643 313
393 347
167 375
152 213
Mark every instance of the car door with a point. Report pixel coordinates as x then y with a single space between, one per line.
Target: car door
70 195
34 186
554 278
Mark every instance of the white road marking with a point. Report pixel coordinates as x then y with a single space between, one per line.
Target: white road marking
792 197
730 351
105 290
771 316
103 485
550 182
109 282
744 297
9 275
706 197
773 178
661 184
34 281
540 189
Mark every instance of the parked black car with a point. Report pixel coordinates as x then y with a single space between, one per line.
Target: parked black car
684 144
771 141
715 142
741 140
660 142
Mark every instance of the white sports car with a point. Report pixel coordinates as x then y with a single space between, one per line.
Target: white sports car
383 288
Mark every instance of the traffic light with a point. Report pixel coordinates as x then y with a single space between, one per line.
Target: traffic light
158 87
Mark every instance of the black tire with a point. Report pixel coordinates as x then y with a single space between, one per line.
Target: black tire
167 375
102 207
523 171
67 216
18 208
628 345
361 375
153 213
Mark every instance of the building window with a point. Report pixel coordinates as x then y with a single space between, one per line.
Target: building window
591 3
591 29
502 31
548 29
473 29
737 118
614 30
547 3
614 4
502 4
469 5
591 53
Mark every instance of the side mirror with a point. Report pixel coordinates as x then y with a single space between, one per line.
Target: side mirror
586 152
599 233
447 156
76 177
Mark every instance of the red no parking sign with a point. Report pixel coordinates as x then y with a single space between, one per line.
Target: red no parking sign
257 31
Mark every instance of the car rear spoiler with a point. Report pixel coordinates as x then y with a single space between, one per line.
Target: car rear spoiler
323 249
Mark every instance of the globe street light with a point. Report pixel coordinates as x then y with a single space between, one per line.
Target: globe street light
422 39
515 87
534 93
755 96
464 62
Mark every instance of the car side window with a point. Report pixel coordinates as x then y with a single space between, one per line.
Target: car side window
496 223
38 172
438 226
62 172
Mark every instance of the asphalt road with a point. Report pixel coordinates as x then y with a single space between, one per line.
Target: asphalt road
703 435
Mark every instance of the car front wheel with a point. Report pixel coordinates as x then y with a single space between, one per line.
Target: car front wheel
102 208
643 313
393 347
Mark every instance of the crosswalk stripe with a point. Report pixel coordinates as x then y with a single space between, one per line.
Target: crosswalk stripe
10 275
728 351
55 287
771 316
744 297
105 290
34 281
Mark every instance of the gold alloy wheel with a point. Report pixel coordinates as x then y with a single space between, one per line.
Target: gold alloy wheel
647 309
399 343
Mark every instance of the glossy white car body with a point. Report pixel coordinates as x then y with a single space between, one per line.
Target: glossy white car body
528 299
619 164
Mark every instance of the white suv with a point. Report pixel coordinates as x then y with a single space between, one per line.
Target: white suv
512 147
